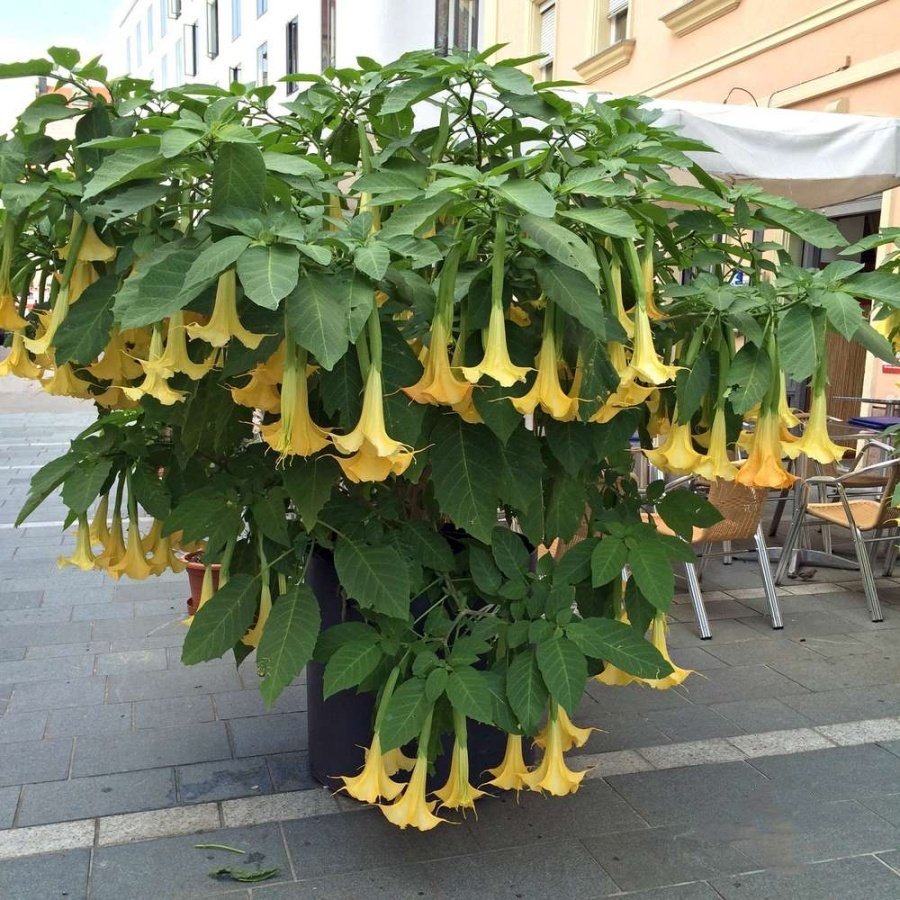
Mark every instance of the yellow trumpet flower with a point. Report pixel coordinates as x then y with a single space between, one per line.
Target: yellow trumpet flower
676 454
174 357
164 557
510 775
155 383
815 441
224 323
83 557
457 793
10 320
553 775
40 345
257 394
412 809
99 527
150 541
82 277
18 362
658 638
467 411
438 384
252 637
788 418
92 248
763 467
114 398
132 564
396 760
65 383
367 466
373 782
571 734
627 394
716 464
496 363
645 363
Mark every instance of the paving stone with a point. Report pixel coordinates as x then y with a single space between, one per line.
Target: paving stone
101 612
101 719
616 731
763 651
26 726
59 694
633 699
724 631
237 704
188 681
20 599
837 673
82 798
771 743
617 762
52 651
691 753
35 616
144 826
131 661
862 878
691 723
739 683
285 807
177 870
847 705
153 590
173 711
51 875
677 855
864 732
223 780
698 659
269 734
29 670
9 654
62 633
145 626
290 771
403 882
161 607
98 755
35 761
697 890
886 805
9 800
751 716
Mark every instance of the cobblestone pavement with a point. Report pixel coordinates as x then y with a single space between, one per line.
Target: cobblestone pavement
775 775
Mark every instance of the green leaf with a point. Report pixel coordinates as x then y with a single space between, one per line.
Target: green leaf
81 489
212 261
269 274
619 645
84 333
196 512
372 260
798 342
563 246
349 665
607 560
879 285
510 553
45 481
498 413
510 79
415 216
843 313
875 343
469 694
343 633
427 546
291 164
565 508
309 483
399 98
688 194
376 577
528 195
120 167
66 57
484 573
131 200
176 140
152 495
223 620
570 443
691 386
239 178
750 376
652 570
681 510
405 714
269 516
287 641
574 294
32 68
435 684
614 222
154 291
464 475
526 691
18 197
564 670
813 227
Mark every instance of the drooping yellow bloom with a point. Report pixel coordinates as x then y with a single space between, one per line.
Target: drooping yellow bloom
889 327
40 345
627 394
114 546
373 782
611 675
438 384
174 357
457 793
83 557
116 363
224 323
155 383
92 248
252 637
815 441
132 564
18 362
164 557
99 527
518 315
10 320
114 398
645 365
510 775
82 277
412 809
468 411
150 541
374 450
788 418
763 467
658 638
571 734
257 393
207 587
676 454
496 363
553 775
396 760
716 464
65 383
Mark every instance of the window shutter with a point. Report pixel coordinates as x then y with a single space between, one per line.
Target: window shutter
548 31
616 7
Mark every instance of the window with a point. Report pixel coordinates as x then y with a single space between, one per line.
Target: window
235 19
262 64
179 62
234 74
212 28
618 20
261 7
164 72
455 26
163 17
149 29
128 55
174 8
190 49
138 49
292 47
329 32
547 12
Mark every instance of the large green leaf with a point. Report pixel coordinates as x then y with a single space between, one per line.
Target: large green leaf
427 546
83 487
269 516
349 665
239 178
151 493
223 620
405 714
212 261
399 98
290 164
372 260
526 690
652 570
376 577
127 202
125 165
287 641
606 219
269 274
510 553
32 68
415 215
844 313
468 693
565 508
879 285
563 246
607 560
197 511
84 333
309 483
528 195
813 227
155 290
464 475
620 646
691 386
564 670
574 293
874 342
750 376
45 481
798 342
682 510
570 443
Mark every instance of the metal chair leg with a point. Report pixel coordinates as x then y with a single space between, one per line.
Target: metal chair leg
697 601
703 556
762 554
788 551
779 511
868 579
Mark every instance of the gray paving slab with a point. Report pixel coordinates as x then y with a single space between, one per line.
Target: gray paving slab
40 616
177 870
684 634
698 890
9 654
103 795
694 723
761 715
144 626
97 612
403 882
269 734
98 755
57 633
224 780
52 651
26 726
740 683
42 877
131 661
9 799
45 669
862 878
290 771
237 704
839 673
846 705
35 761
20 599
59 694
100 719
619 731
886 805
187 681
173 711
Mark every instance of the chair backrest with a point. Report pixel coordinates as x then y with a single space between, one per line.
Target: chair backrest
741 508
888 514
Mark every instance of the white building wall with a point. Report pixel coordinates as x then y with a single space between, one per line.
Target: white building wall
381 29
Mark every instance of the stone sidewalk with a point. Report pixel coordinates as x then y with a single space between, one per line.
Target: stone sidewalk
785 753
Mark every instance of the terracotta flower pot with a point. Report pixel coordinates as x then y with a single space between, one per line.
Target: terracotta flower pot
195 568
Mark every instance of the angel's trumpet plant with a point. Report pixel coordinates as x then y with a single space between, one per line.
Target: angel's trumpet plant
676 455
18 362
83 557
91 248
612 276
412 809
612 675
99 525
175 358
763 467
512 772
716 464
224 324
114 545
658 631
133 563
553 775
155 383
546 391
571 735
496 363
65 383
457 793
10 320
628 394
815 441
